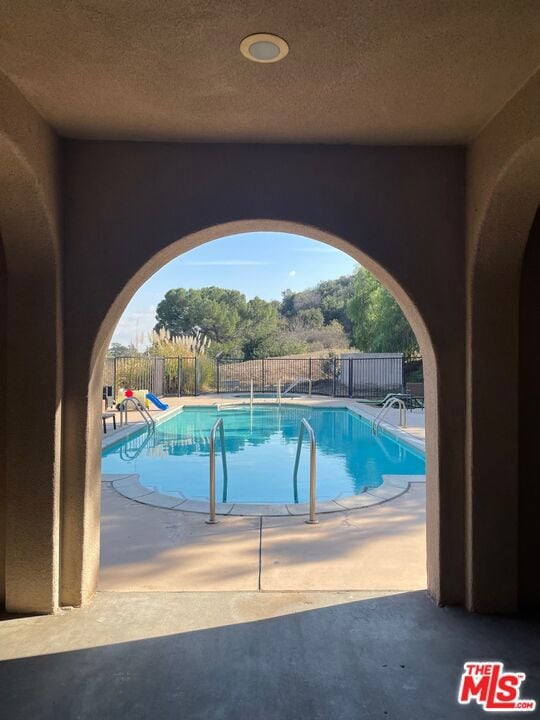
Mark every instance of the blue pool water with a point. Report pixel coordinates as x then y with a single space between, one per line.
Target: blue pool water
261 447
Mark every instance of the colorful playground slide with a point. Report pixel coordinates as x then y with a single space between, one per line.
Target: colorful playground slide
157 402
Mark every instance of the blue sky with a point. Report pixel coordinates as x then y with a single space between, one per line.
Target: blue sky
261 263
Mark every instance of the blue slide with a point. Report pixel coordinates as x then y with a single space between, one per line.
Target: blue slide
157 402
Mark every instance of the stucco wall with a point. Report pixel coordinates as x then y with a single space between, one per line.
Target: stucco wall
503 192
30 231
130 207
529 423
3 383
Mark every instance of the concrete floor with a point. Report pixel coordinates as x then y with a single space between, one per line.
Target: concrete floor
234 656
379 548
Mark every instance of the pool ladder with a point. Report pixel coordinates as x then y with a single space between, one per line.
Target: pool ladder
218 425
304 426
297 382
149 420
134 447
388 404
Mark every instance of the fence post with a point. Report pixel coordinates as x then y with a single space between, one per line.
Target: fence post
196 376
114 379
179 374
263 376
350 377
310 376
217 375
334 378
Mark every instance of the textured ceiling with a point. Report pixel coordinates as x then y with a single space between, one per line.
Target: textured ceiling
361 71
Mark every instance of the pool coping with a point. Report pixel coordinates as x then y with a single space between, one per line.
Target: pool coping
392 486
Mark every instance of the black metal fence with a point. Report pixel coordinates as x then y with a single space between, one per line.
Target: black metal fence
161 375
356 376
369 377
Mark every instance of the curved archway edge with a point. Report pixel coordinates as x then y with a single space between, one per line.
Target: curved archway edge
134 206
31 349
493 350
207 235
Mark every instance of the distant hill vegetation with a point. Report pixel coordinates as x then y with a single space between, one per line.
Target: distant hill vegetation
351 311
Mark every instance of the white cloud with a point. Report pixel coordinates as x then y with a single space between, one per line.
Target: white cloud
223 263
292 273
326 249
134 326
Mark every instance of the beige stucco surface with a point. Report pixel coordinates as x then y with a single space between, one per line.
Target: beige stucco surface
371 72
30 316
443 226
139 205
503 194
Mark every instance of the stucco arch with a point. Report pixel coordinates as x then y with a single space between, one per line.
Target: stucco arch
208 234
135 206
498 243
31 346
205 235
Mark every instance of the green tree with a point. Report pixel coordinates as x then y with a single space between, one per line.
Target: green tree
259 327
216 312
236 328
311 318
378 323
335 296
118 350
330 297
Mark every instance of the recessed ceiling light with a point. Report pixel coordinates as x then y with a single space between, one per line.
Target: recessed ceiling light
264 48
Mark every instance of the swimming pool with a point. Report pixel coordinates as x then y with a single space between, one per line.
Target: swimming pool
261 446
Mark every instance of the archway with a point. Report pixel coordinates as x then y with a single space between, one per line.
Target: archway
31 367
493 382
177 248
529 422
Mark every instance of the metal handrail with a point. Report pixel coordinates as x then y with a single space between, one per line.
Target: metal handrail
212 490
299 380
138 406
389 403
127 454
312 469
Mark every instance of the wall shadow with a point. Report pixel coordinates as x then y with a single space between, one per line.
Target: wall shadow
388 657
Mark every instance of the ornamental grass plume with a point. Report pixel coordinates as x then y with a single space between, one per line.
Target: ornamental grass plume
164 344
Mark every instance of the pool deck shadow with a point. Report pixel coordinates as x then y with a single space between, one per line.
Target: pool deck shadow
376 548
262 656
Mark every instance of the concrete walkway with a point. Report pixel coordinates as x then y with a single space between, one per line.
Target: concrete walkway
256 656
379 548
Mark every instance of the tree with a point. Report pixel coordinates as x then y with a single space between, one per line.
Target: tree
118 350
236 328
335 296
259 326
287 308
330 297
378 323
310 318
216 312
